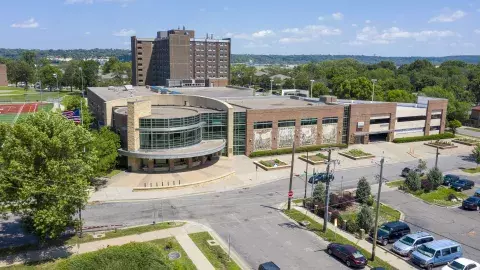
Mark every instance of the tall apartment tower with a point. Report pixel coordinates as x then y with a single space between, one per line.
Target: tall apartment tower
175 58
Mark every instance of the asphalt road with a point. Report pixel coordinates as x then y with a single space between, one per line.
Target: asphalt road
468 132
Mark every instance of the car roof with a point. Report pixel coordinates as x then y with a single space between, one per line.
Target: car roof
441 244
395 224
419 235
269 266
474 197
452 175
465 261
349 248
477 191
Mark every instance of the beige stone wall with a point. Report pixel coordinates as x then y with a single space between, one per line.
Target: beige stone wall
136 109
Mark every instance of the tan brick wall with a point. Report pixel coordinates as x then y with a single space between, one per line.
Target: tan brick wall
3 75
363 112
435 105
297 114
136 109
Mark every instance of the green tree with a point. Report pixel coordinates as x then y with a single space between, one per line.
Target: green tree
288 83
72 76
19 71
107 67
106 144
435 178
365 218
29 57
320 89
45 171
412 182
319 194
4 131
453 125
73 102
476 154
363 191
47 76
422 165
90 72
399 96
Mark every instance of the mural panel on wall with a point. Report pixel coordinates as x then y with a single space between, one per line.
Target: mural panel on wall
262 139
309 135
329 133
285 136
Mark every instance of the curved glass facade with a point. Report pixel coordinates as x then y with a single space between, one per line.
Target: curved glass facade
169 122
151 140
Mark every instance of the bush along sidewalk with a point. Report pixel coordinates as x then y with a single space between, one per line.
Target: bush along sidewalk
301 149
331 236
425 138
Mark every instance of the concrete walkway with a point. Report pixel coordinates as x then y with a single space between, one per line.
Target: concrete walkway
380 253
180 233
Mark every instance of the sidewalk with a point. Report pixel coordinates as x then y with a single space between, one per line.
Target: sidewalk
380 253
180 233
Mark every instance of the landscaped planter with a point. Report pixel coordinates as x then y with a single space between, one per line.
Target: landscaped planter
314 159
271 164
469 142
441 144
356 154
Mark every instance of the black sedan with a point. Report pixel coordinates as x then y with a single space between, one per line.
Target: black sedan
472 203
319 177
462 184
449 179
351 256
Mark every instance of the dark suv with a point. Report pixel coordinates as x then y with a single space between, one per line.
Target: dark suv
462 184
319 177
406 170
391 231
449 179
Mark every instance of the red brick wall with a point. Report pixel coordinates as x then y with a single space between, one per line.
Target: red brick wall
363 112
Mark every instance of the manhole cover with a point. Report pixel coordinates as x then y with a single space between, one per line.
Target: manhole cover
270 194
174 255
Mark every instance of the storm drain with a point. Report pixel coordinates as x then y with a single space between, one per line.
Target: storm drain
174 255
212 242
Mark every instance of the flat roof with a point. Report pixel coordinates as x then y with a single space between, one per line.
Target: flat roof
166 112
109 94
272 102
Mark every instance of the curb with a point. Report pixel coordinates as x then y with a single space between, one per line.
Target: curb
141 189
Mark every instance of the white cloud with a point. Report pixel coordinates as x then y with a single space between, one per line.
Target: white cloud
321 18
370 34
448 17
256 45
239 36
476 31
354 25
124 33
263 33
313 31
30 23
87 33
367 21
337 16
287 40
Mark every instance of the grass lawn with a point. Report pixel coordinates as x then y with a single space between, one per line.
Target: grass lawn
148 255
13 94
331 236
357 153
472 170
271 163
297 200
395 184
113 173
440 196
387 213
87 237
215 254
316 157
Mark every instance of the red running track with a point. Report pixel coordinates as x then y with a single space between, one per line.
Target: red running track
19 108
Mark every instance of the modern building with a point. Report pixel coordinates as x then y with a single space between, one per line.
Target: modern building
175 58
189 126
3 75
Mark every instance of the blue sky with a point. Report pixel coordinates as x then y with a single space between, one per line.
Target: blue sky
368 27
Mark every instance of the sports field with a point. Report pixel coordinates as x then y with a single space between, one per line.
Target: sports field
10 113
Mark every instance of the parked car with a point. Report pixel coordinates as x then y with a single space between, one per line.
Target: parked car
268 266
391 231
462 184
436 253
319 177
477 193
406 170
449 178
407 244
472 203
351 256
462 264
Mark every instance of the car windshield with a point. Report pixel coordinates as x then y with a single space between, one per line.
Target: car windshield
385 229
457 266
357 255
407 240
471 199
426 251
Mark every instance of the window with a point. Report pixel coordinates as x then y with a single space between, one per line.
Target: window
330 120
262 125
308 121
380 121
446 252
286 123
436 116
454 249
411 118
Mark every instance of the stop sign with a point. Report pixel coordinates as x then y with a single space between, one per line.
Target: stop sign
290 194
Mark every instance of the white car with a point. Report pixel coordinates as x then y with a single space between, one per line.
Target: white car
462 264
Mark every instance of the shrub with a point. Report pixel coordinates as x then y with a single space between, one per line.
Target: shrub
319 193
413 181
365 218
168 245
435 178
301 149
336 215
370 200
363 191
424 138
351 226
422 165
341 202
427 186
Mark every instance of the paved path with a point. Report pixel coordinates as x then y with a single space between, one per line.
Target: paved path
468 132
180 233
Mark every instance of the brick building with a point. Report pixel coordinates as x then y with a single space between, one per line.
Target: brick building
3 75
183 128
175 58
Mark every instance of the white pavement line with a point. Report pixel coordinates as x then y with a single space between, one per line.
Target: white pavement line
197 257
18 114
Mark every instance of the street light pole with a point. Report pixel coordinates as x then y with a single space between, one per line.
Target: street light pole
311 88
436 159
327 192
373 92
291 172
378 208
306 181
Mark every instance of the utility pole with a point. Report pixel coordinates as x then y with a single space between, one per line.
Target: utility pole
436 159
291 172
306 181
327 192
375 228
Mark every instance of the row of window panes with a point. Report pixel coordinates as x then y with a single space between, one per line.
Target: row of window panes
286 123
168 123
436 116
308 121
262 125
330 120
411 118
151 140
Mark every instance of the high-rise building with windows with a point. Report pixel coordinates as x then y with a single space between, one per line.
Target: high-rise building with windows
175 58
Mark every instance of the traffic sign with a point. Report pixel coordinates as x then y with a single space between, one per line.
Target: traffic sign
290 194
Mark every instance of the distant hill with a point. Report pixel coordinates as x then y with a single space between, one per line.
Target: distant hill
258 59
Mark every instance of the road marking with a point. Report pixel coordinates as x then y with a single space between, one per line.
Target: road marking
18 114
